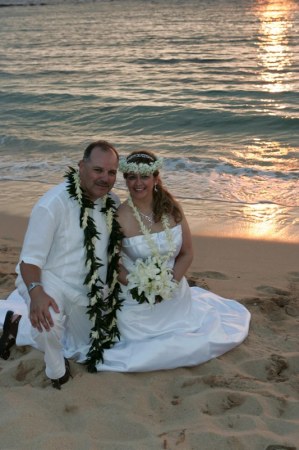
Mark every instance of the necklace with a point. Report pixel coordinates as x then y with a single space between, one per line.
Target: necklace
151 280
148 217
148 236
101 310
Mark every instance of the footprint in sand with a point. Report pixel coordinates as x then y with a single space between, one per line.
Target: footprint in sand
277 365
30 372
212 275
176 400
271 290
216 381
194 281
27 371
173 439
293 276
226 403
198 278
279 447
231 401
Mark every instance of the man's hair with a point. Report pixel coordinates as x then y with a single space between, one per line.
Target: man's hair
105 146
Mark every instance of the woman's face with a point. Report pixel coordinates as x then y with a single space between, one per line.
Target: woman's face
140 186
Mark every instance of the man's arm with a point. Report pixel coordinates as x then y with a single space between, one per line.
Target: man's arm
37 244
40 301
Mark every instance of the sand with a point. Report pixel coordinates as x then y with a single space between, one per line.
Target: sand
246 399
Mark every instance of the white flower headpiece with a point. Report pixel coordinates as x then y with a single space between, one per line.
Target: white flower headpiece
142 168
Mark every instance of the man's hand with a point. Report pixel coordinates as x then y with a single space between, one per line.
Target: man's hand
40 305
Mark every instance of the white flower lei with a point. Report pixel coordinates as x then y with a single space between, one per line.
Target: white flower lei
103 299
152 278
141 168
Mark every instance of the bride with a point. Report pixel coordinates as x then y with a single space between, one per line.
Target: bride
163 323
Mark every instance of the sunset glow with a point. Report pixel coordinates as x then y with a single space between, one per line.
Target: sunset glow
274 51
262 219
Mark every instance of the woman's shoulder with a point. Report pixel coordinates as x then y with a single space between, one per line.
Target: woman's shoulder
123 209
126 219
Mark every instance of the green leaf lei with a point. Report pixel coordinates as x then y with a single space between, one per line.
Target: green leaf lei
101 311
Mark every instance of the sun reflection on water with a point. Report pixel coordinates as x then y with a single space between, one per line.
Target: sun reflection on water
265 189
262 220
274 51
269 156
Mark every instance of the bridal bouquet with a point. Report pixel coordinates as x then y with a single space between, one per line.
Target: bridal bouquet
151 280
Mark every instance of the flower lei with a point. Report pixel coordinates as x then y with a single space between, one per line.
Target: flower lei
102 306
152 279
141 168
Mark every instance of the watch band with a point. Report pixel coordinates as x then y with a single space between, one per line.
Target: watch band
33 285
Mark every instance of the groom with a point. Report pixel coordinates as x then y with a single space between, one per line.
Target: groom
63 264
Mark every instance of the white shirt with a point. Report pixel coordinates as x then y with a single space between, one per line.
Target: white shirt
54 242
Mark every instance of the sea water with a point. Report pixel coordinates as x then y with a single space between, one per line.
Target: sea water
210 85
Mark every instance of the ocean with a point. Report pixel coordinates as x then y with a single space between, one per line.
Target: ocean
210 85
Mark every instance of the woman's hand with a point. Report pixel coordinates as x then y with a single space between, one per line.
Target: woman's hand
122 275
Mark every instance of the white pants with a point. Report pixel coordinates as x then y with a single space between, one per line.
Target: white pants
71 330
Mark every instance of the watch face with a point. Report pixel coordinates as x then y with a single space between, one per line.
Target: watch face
33 285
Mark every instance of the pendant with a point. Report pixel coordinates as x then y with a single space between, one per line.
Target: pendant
148 217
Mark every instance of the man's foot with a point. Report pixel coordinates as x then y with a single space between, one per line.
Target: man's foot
65 378
9 335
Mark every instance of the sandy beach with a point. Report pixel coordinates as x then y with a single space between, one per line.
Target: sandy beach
246 399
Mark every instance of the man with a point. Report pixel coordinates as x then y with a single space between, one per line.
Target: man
63 267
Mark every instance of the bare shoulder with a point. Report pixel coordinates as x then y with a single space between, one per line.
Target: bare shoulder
123 210
127 220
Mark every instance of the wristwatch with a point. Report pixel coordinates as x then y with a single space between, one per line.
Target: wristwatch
33 285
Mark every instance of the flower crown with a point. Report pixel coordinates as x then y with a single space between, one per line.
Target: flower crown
142 168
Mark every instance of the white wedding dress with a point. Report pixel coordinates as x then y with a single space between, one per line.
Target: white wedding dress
192 327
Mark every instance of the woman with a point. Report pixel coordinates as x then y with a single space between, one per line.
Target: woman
148 202
189 325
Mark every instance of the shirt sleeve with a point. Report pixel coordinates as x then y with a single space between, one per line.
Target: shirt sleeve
39 236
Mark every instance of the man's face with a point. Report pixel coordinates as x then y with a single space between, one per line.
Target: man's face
98 173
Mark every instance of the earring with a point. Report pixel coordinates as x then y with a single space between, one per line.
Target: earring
155 188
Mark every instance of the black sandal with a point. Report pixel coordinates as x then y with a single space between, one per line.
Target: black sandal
65 378
9 335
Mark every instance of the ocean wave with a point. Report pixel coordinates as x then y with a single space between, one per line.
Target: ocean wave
207 166
182 60
39 110
188 178
180 165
